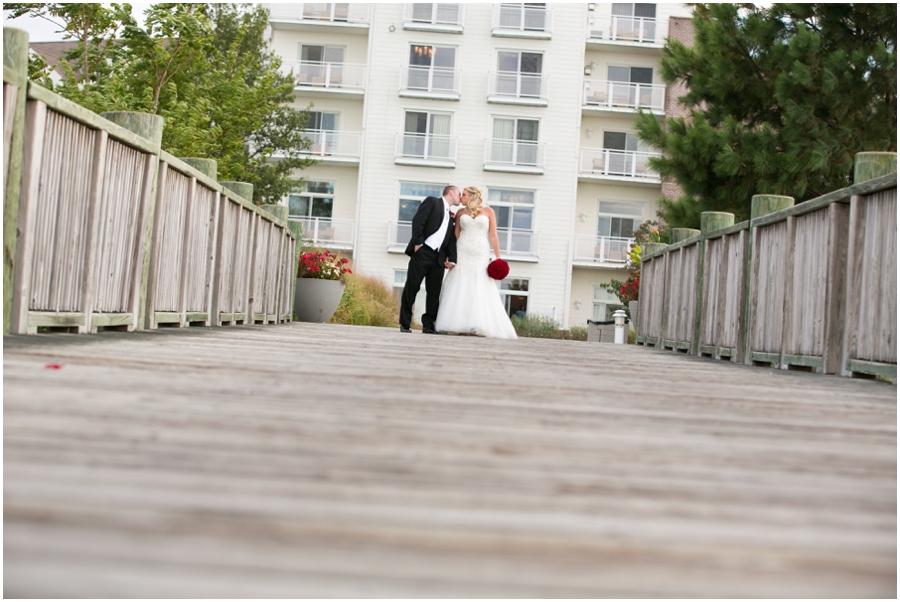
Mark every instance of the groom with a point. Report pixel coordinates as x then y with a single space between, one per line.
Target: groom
431 249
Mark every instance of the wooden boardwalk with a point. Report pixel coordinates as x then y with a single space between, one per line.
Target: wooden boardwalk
335 461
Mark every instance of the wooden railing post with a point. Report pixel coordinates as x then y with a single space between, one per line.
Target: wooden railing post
280 212
868 261
709 221
242 189
209 168
15 82
150 127
868 166
760 206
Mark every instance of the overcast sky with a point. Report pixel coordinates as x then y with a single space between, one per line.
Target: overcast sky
41 30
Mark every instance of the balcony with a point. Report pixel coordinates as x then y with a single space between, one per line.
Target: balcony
522 21
398 236
439 83
639 32
518 245
427 150
601 251
350 17
513 87
327 232
330 78
441 18
516 156
334 147
623 97
623 166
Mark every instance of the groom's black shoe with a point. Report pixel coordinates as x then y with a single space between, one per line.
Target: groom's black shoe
405 329
429 330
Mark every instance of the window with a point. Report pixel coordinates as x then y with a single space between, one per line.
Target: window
619 219
321 54
317 201
634 22
514 292
431 67
515 213
605 303
634 75
411 196
515 141
531 16
322 121
427 135
519 73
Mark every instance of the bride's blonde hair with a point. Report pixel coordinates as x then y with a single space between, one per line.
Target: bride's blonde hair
474 204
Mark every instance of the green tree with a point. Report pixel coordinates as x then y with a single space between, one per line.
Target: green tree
780 98
208 71
90 25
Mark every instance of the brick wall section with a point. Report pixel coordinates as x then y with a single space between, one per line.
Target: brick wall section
681 29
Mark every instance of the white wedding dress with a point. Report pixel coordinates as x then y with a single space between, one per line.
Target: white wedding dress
470 301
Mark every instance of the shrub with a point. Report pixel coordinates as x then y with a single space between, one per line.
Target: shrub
542 327
367 301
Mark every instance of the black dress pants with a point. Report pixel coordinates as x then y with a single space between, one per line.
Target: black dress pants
423 265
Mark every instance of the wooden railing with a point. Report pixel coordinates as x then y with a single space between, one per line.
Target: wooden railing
811 286
110 231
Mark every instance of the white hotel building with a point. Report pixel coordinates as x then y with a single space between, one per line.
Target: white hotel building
533 103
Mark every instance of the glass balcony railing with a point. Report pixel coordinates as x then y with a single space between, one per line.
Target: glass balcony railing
606 162
602 249
514 153
437 16
516 242
332 76
627 30
398 235
426 147
513 242
600 94
326 232
517 85
340 13
430 80
512 19
334 144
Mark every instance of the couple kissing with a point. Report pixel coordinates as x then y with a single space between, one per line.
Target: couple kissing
467 300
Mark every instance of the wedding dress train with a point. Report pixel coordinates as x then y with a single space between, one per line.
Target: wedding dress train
470 302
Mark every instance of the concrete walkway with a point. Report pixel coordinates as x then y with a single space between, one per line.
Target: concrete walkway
335 461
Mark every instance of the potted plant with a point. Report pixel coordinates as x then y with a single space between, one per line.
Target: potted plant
320 285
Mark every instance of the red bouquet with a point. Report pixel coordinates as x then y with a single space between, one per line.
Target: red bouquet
498 269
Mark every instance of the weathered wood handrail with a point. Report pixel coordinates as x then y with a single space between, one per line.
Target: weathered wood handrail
110 231
811 286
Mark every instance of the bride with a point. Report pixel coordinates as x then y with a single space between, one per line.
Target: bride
470 302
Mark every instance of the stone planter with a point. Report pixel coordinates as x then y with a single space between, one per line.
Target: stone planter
315 300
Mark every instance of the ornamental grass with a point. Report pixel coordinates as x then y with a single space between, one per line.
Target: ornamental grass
367 301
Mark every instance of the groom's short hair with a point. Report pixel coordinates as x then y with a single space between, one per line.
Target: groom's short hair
447 189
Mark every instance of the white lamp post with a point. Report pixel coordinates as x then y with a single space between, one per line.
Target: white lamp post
619 317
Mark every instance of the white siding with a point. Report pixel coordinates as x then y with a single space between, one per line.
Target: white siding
559 197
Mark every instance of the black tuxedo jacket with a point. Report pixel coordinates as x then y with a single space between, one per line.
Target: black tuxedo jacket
426 222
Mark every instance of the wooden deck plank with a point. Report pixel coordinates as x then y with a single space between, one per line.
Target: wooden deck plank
311 460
